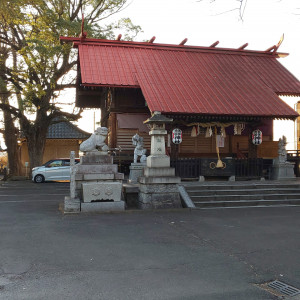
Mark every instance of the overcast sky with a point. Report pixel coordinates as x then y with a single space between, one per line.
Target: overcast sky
204 22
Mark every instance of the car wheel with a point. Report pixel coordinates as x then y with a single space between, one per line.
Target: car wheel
39 178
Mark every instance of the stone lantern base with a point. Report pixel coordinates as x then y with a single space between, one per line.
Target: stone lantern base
159 191
158 187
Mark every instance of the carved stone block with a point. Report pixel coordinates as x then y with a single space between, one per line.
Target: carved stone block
158 188
159 200
158 161
159 180
96 158
100 191
156 172
101 176
92 169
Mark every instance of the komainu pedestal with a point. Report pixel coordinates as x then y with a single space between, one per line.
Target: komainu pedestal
96 184
281 168
136 171
283 171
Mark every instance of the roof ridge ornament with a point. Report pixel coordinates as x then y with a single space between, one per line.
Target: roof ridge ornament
152 39
83 33
214 44
243 46
275 47
183 42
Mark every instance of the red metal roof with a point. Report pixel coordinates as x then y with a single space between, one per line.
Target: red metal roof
192 80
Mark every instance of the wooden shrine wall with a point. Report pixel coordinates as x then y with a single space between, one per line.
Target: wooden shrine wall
201 146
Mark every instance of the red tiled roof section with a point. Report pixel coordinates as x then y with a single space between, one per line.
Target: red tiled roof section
107 65
193 81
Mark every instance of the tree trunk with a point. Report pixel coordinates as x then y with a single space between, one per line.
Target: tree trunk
10 131
35 151
36 139
10 138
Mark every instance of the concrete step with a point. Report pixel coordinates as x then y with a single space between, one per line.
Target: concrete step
240 194
230 197
205 192
193 187
247 203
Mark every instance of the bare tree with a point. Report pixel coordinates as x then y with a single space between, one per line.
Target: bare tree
239 7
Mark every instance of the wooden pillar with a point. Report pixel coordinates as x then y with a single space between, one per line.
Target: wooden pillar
174 150
113 130
229 137
298 126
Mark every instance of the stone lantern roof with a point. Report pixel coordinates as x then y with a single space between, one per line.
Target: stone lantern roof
158 118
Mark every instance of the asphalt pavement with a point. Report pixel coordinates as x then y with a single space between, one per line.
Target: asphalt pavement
181 254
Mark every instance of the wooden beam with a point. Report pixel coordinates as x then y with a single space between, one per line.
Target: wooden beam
130 110
113 130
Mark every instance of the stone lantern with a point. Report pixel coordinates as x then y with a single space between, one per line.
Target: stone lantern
158 187
158 157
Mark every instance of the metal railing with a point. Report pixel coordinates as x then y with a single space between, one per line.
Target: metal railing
187 167
249 167
243 168
293 154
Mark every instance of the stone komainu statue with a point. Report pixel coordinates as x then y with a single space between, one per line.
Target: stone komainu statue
282 154
96 141
139 150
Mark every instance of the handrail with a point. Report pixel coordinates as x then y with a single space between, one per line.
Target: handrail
293 153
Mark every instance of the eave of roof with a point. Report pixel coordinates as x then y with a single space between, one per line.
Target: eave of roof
63 129
191 79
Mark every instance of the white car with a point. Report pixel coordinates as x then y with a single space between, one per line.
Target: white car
53 170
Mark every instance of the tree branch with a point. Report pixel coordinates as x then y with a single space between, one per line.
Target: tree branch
60 87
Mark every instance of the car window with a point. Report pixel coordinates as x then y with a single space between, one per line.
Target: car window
55 163
66 163
47 163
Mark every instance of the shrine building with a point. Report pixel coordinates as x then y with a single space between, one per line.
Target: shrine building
223 100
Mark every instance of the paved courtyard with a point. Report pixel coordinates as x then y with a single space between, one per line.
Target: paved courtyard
204 254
